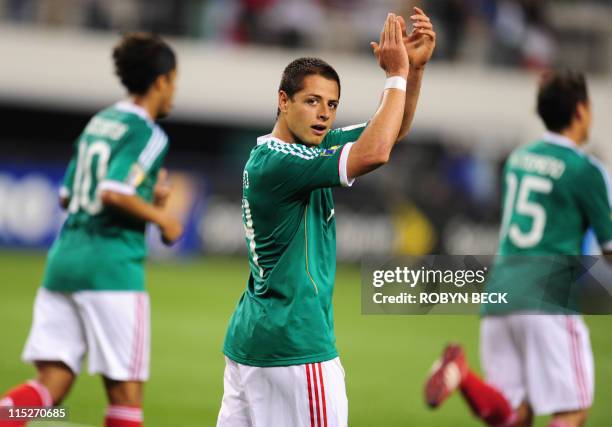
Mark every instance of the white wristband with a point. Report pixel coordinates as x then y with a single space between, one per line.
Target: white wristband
395 82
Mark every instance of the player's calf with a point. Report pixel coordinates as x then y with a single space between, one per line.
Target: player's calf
125 403
56 377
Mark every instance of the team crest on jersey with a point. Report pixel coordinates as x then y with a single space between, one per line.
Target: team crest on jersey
136 175
330 151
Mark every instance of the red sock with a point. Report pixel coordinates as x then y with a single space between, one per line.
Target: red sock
486 401
123 416
31 393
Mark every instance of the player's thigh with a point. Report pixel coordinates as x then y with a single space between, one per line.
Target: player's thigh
299 395
559 363
331 379
235 410
56 334
117 328
502 359
302 395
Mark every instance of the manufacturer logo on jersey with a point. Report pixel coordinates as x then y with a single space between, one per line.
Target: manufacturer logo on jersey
330 151
136 175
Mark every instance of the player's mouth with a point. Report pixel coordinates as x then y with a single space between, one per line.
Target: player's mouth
319 130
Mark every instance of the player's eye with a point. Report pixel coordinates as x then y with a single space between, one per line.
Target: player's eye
311 101
333 105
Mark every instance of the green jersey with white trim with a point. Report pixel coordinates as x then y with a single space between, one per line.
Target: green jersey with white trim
285 316
100 248
552 193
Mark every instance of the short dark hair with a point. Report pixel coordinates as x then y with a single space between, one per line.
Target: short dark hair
294 74
559 94
140 58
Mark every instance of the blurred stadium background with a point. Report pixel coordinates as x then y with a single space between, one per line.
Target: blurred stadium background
439 194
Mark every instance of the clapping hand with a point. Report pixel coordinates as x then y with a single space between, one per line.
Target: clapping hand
421 42
390 51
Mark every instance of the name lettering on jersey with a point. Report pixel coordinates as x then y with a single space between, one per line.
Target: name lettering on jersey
536 163
245 180
106 128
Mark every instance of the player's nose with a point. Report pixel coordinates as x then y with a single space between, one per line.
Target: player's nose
324 114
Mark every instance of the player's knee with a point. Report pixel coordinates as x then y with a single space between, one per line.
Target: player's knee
571 419
124 393
521 417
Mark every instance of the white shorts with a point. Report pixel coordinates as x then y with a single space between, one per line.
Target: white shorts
544 360
112 327
311 395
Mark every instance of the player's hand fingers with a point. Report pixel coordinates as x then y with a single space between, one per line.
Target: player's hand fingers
386 30
418 10
431 34
392 28
375 50
402 22
162 175
423 25
420 18
171 230
398 32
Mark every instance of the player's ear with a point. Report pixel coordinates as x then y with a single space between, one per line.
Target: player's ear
581 111
283 101
161 82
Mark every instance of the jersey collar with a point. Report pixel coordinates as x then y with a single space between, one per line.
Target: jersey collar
130 107
265 138
558 139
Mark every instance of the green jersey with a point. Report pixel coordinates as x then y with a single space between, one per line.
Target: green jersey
553 192
285 316
98 248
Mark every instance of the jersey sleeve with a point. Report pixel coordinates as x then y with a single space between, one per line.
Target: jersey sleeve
136 158
342 136
294 169
596 201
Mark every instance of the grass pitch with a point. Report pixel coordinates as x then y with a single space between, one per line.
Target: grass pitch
386 358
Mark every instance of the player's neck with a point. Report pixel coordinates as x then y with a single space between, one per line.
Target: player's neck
574 134
146 104
282 132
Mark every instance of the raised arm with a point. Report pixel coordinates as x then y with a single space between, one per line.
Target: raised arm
420 44
373 147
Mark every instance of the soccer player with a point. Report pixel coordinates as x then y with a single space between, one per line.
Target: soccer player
541 363
93 297
282 366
